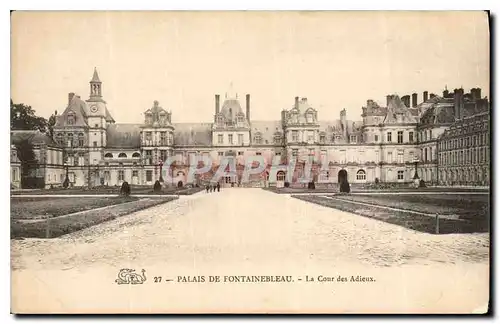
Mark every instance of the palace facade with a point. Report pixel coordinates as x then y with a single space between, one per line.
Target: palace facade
381 147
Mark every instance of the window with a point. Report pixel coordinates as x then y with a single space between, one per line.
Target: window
430 134
401 175
240 139
401 156
361 175
310 136
221 153
410 137
240 153
322 138
81 159
14 174
121 175
149 175
70 140
220 138
389 137
149 157
389 157
230 138
163 155
277 153
309 118
148 136
80 139
122 155
411 157
400 137
96 125
295 136
135 173
163 138
294 152
258 153
352 139
376 138
311 152
71 118
136 155
280 176
258 138
95 143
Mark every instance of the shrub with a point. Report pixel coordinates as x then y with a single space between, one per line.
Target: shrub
125 189
421 184
377 180
311 185
344 187
287 184
157 186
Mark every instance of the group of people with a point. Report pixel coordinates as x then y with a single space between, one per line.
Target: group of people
210 187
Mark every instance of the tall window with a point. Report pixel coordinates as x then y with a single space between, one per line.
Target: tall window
70 139
80 139
258 138
163 138
389 137
376 138
295 136
149 156
400 137
148 136
95 143
121 175
310 136
240 139
322 138
220 138
135 173
410 137
401 156
401 175
149 175
352 139
163 155
389 157
230 138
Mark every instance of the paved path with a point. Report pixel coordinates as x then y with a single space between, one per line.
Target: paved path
251 232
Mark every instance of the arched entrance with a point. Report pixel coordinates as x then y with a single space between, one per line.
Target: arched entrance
342 176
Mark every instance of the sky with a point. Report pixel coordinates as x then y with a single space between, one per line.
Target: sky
182 59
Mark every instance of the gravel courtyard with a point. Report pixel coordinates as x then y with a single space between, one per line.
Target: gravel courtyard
250 232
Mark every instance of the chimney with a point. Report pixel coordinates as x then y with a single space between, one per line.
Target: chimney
478 93
217 106
297 102
388 98
414 99
446 93
432 95
248 107
458 101
70 97
426 96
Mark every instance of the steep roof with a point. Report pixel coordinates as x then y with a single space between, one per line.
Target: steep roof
267 129
193 134
34 137
95 77
231 108
76 107
124 136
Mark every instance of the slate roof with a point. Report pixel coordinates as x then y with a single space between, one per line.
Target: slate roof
231 108
335 126
76 106
267 130
192 134
124 136
33 136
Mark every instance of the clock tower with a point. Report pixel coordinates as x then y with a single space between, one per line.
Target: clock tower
97 118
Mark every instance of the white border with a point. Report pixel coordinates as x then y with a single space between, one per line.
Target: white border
491 5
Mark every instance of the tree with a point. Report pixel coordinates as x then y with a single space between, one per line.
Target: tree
28 160
51 123
23 117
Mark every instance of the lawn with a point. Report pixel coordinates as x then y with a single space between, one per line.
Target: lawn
37 208
55 227
354 189
104 190
469 219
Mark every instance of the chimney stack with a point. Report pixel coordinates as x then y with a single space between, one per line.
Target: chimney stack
248 107
70 97
217 105
297 102
458 101
414 99
426 96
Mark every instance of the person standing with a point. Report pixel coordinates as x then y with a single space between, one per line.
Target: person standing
206 188
218 186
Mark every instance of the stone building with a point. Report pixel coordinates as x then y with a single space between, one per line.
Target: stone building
383 146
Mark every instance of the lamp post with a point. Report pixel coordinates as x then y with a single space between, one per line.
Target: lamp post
66 181
160 163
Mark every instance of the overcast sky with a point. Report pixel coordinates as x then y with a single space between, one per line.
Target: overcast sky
335 59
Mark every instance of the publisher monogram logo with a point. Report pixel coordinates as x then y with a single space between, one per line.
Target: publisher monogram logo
129 276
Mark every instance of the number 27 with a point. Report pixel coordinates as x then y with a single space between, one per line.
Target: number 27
157 279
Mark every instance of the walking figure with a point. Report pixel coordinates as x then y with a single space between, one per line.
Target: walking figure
218 186
206 187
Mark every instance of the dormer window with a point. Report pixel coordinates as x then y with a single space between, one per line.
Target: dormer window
257 138
71 118
149 118
309 117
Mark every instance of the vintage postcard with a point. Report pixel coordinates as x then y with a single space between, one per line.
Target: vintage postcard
250 162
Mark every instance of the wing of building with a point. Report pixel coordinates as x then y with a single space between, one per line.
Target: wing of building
446 137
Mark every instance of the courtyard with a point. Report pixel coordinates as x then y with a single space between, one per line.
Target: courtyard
241 231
